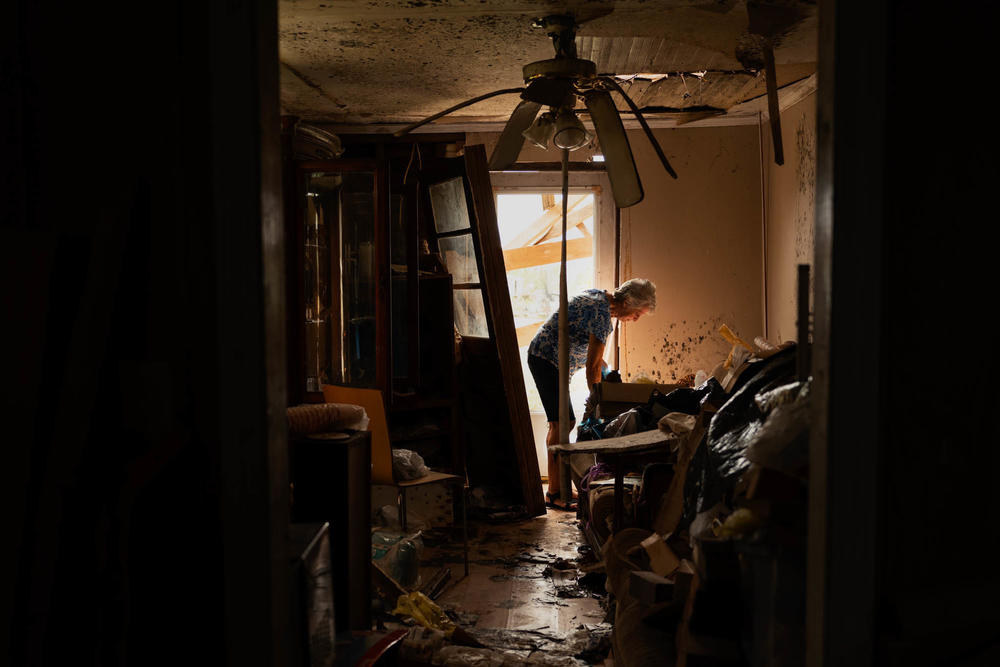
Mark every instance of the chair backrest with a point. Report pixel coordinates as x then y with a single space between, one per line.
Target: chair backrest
371 401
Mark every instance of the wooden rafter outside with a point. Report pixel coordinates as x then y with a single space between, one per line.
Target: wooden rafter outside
542 225
575 218
546 253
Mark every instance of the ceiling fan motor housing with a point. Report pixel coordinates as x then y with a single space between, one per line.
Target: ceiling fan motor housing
555 82
560 68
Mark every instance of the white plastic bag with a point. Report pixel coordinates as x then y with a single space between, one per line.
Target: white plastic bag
407 465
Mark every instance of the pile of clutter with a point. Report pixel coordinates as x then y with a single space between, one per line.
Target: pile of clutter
711 565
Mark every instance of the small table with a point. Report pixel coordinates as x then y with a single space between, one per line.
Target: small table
618 450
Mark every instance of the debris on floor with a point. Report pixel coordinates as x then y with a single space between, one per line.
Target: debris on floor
533 597
706 568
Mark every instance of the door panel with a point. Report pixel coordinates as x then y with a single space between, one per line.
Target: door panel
469 241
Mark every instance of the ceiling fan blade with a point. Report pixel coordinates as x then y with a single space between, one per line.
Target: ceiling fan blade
618 159
413 126
509 146
642 122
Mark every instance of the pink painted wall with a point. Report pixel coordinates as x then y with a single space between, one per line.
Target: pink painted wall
699 238
790 213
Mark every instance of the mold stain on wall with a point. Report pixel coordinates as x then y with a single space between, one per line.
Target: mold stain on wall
685 347
805 177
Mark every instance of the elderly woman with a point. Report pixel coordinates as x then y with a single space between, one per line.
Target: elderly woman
589 320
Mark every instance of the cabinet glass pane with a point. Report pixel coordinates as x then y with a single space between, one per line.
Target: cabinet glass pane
400 293
470 314
448 205
340 278
321 221
460 258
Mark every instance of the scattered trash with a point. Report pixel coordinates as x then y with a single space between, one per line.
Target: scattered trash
461 618
436 584
677 422
401 560
558 565
421 644
387 516
740 522
422 609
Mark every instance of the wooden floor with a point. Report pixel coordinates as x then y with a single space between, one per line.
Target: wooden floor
509 587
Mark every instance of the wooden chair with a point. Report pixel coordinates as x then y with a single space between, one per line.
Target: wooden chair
371 401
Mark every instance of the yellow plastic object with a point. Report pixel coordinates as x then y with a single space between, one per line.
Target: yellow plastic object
728 334
741 522
421 609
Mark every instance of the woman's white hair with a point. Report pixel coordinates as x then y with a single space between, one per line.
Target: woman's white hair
635 294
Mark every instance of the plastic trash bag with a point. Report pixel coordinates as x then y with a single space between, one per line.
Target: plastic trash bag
781 442
626 423
677 422
590 429
407 465
717 466
420 644
382 541
402 560
686 399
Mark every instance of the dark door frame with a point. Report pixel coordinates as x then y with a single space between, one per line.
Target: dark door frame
847 422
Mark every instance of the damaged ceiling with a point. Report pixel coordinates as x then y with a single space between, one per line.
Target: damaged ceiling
374 65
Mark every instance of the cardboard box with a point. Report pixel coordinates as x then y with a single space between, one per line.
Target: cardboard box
614 398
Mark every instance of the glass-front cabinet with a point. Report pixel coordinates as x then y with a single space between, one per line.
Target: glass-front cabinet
336 299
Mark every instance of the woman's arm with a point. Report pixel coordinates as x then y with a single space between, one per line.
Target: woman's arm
595 360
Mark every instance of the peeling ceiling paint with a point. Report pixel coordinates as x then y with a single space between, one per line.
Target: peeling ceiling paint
375 62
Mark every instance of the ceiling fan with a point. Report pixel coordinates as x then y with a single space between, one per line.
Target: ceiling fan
559 84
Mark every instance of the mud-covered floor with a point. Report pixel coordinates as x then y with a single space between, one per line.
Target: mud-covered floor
531 589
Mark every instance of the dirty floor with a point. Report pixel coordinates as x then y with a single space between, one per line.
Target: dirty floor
528 589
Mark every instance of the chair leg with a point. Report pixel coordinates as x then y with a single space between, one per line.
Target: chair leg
465 530
565 480
402 509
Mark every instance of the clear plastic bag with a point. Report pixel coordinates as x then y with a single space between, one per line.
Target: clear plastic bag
407 465
401 559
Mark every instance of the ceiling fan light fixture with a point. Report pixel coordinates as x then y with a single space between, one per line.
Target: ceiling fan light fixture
570 134
541 130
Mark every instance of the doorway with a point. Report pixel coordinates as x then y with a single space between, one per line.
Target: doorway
529 216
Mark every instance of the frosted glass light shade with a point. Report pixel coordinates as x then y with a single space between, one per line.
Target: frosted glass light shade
541 130
570 133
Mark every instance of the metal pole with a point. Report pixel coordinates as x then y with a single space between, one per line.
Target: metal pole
565 488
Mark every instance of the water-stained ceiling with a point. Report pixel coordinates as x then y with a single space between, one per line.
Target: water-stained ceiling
382 63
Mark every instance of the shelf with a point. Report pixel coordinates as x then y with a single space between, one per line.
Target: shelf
405 404
415 437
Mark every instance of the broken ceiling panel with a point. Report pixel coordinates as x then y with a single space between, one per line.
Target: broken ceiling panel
633 55
715 89
372 62
720 90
